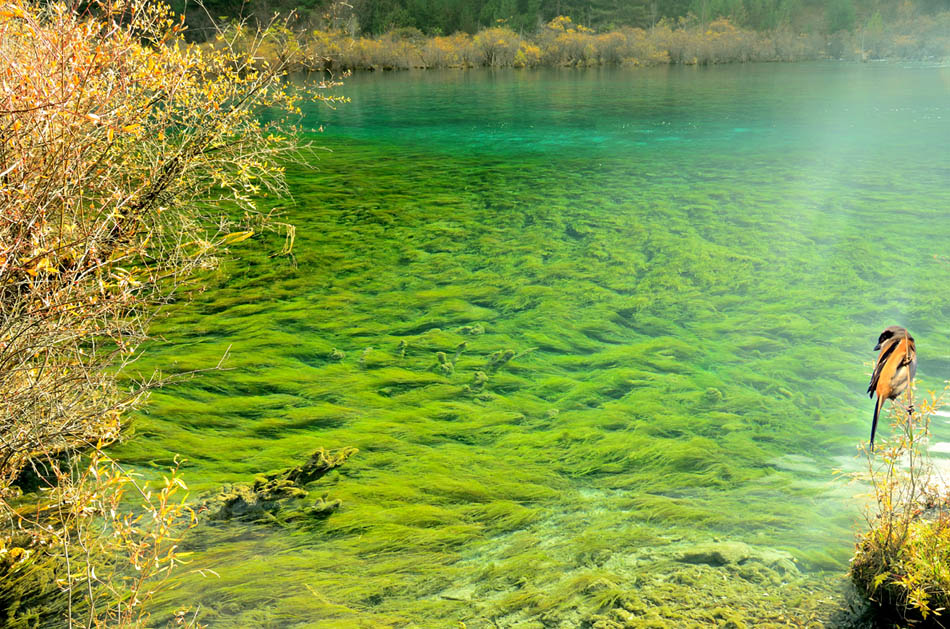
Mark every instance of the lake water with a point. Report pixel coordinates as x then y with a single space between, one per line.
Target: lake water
689 266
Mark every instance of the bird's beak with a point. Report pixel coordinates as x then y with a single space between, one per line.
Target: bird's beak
877 347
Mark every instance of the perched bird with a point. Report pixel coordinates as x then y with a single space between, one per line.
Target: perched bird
894 369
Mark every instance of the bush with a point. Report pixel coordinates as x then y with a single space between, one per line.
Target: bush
130 159
564 43
496 47
456 51
610 48
903 561
528 56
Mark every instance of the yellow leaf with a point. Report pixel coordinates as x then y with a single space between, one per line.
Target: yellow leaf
234 237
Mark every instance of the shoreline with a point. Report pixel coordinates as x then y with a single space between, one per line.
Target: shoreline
561 43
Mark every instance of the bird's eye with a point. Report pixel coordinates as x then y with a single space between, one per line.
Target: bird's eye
886 334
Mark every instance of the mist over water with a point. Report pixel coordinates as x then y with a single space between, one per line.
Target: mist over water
690 267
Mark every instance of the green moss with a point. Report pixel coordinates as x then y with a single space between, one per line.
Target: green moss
698 310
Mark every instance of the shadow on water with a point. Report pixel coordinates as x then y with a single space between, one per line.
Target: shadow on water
689 268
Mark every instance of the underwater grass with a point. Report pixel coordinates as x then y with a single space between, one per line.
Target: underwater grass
663 343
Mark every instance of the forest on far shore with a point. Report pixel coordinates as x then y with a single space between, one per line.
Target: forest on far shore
445 17
334 41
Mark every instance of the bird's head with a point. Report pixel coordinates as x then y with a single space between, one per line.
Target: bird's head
891 331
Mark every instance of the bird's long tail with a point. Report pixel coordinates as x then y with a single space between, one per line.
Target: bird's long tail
878 403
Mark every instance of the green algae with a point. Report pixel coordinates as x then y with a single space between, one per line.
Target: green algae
650 331
31 596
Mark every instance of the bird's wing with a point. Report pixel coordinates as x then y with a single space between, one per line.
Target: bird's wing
886 352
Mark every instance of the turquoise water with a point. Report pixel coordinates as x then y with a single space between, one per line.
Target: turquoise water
689 266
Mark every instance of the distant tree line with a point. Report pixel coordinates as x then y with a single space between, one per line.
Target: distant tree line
445 17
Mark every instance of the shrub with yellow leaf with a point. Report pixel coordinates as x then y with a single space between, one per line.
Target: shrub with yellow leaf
128 158
454 51
497 47
902 561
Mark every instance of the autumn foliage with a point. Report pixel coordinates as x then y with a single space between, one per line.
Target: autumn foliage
902 561
561 42
128 159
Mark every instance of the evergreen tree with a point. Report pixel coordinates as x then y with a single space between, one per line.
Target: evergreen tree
840 15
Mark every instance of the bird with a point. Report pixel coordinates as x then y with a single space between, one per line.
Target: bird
894 368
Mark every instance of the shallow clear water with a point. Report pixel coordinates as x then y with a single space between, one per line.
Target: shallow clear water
691 266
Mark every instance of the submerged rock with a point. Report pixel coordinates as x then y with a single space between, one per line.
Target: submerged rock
479 380
499 358
363 357
721 585
461 347
443 366
739 554
267 494
472 330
